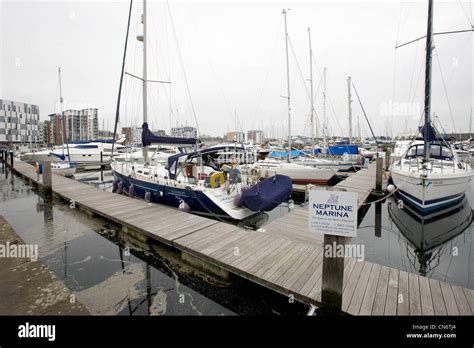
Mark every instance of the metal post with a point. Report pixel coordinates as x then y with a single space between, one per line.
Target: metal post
332 278
11 159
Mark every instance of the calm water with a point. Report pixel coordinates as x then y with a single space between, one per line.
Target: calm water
112 275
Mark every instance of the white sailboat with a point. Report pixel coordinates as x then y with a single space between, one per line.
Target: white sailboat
311 171
430 176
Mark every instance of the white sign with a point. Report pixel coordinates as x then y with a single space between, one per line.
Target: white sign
333 212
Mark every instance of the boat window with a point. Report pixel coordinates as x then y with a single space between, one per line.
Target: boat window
437 151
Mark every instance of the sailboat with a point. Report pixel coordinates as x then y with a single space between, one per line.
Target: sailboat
62 167
430 176
191 180
306 172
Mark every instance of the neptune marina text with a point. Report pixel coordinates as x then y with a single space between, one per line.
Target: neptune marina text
333 210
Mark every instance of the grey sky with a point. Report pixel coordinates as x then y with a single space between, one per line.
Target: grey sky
233 54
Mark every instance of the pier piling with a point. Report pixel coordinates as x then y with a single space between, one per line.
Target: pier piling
388 155
332 277
379 175
47 180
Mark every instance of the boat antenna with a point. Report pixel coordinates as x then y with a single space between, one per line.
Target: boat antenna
117 110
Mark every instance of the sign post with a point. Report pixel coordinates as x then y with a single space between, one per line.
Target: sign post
334 214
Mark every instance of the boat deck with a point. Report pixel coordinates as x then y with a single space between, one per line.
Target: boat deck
284 257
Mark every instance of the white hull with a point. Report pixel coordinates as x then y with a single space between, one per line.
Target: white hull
432 192
299 174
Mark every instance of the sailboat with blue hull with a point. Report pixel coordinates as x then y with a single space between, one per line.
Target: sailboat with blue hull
193 181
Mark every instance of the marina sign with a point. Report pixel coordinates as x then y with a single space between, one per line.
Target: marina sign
333 212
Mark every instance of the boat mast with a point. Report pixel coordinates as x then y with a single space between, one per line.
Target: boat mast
324 108
63 121
311 89
349 101
145 116
145 92
429 48
288 86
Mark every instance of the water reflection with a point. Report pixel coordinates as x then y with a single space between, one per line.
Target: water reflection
111 275
429 235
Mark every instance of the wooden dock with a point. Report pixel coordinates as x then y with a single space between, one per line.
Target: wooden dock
283 257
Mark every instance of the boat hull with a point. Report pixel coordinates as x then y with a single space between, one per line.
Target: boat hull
432 193
302 176
198 202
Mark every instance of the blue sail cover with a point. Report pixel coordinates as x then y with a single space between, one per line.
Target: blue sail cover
267 194
432 136
148 138
339 150
284 154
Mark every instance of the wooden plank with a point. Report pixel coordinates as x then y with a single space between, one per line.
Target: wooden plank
437 296
347 272
229 238
356 300
263 265
378 308
449 300
299 278
403 307
369 296
351 285
414 294
300 264
461 300
425 294
249 263
284 263
185 230
392 292
469 293
248 245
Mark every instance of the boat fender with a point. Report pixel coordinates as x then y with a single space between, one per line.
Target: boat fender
120 188
115 185
390 188
161 194
38 168
148 196
216 179
238 200
183 206
131 191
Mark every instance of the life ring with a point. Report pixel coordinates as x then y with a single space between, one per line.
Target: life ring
217 179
